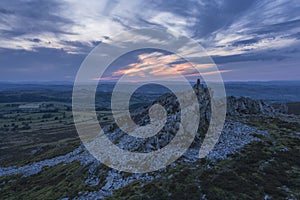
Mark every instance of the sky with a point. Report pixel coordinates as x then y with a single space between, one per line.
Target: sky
248 40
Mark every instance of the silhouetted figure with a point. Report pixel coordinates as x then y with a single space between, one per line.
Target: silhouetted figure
198 87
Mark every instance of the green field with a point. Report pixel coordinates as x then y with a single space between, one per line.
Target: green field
29 135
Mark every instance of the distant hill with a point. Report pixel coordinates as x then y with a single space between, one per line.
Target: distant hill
271 92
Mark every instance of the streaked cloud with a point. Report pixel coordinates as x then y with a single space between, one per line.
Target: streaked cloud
162 67
258 32
219 25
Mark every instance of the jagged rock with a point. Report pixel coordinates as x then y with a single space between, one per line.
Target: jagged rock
242 105
283 108
234 136
235 107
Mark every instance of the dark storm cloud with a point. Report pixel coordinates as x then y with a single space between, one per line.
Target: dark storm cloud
248 29
5 11
121 22
36 40
259 27
32 17
214 16
9 34
246 42
248 57
210 15
295 35
278 27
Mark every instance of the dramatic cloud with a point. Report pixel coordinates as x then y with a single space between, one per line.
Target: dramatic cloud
233 32
160 66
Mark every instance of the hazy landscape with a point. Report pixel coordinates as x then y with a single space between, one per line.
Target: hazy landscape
158 100
38 135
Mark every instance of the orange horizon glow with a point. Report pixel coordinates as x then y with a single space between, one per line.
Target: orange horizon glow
161 66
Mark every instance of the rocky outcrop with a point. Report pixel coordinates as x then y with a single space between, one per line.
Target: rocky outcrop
234 136
79 154
281 108
236 107
243 105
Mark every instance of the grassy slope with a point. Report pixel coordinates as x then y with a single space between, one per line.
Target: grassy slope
52 183
294 108
267 167
270 166
49 133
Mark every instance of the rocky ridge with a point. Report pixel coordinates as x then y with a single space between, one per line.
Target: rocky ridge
234 136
